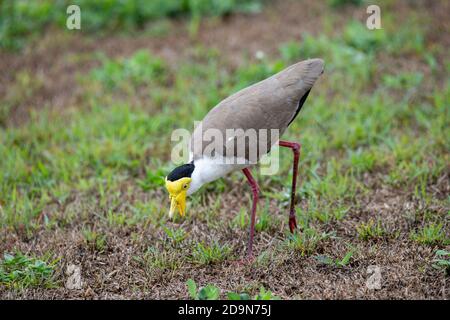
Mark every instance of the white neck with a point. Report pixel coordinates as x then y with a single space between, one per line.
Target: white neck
207 170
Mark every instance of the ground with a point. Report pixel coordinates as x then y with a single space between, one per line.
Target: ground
85 124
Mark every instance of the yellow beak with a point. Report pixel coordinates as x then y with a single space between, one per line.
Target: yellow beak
177 192
178 202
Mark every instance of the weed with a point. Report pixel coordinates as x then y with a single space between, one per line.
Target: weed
370 230
430 234
21 212
323 259
241 220
306 241
262 295
362 161
209 292
264 219
153 179
442 261
175 235
19 271
208 254
238 296
326 213
265 295
117 219
161 260
94 240
334 186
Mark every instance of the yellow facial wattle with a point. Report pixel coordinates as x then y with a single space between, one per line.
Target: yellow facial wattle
177 192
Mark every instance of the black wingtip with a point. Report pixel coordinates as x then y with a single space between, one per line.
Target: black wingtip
300 105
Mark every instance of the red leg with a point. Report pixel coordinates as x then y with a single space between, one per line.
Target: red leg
255 190
296 150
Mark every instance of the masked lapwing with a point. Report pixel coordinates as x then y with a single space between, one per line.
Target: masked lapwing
267 108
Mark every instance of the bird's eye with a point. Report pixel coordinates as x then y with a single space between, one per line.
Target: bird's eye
185 186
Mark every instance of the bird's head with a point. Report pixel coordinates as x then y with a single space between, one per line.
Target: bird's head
177 184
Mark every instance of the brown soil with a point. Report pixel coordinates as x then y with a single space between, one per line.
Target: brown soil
116 273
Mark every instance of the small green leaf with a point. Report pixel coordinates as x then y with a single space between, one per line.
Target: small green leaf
192 288
233 296
244 296
442 253
238 296
209 292
346 259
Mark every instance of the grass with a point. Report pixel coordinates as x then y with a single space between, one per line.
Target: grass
176 236
211 292
162 260
264 219
432 233
340 3
94 240
204 254
306 241
19 271
139 69
241 220
442 261
337 262
370 230
372 133
117 219
263 294
21 20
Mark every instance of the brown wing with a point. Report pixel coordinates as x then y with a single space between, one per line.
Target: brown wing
269 104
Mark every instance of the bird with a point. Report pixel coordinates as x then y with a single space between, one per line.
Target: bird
269 106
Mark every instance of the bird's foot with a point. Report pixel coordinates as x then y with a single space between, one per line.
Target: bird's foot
292 224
